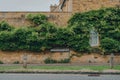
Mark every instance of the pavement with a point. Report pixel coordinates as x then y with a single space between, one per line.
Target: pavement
57 77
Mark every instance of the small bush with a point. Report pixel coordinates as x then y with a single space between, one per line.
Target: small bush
1 62
51 61
48 60
16 62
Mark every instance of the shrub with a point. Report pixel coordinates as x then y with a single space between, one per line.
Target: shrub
51 61
1 62
16 62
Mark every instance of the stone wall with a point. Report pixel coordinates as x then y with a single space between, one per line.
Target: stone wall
38 58
87 5
61 18
17 19
32 57
94 58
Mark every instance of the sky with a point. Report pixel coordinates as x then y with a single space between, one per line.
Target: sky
26 5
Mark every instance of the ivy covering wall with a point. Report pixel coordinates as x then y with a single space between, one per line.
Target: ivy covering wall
42 35
105 21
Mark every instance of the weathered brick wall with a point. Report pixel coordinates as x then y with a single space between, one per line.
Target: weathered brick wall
87 5
17 19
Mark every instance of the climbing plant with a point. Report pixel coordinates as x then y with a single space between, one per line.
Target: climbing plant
37 19
105 21
4 26
44 35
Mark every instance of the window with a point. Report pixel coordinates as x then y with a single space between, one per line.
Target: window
94 38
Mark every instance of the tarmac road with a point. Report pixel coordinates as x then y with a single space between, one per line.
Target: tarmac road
57 77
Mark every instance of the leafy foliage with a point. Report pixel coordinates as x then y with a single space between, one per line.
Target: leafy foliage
60 38
105 21
45 35
110 45
16 62
37 19
28 39
1 62
52 61
7 41
5 26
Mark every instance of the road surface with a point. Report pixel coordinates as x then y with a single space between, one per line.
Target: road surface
57 77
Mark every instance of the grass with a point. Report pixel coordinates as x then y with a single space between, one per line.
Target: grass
7 68
96 68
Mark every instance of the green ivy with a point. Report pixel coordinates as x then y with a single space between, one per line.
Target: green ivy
37 19
110 45
5 26
105 21
44 35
